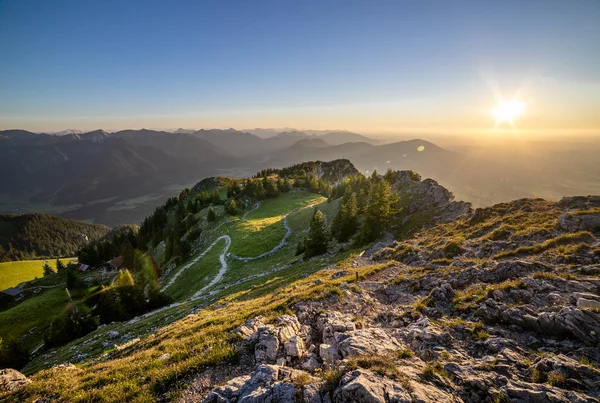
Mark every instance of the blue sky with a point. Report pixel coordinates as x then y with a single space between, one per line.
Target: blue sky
366 66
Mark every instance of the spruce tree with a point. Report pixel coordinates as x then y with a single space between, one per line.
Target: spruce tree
60 266
345 223
48 270
316 243
378 212
211 216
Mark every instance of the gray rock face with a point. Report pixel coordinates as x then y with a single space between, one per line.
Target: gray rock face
583 222
265 350
365 386
373 341
295 347
11 379
268 383
583 325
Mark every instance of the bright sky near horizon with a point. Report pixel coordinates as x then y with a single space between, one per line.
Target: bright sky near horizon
367 66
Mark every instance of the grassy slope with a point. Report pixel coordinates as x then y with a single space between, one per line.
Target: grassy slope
253 278
14 273
199 340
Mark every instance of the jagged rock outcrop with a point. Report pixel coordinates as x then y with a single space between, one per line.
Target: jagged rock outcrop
419 194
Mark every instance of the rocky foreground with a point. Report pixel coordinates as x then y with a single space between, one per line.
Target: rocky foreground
500 305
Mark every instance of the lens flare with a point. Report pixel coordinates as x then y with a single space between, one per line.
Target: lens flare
508 111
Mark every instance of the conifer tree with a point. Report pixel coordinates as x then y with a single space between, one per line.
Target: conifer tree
316 243
211 216
378 212
48 270
60 266
232 207
345 223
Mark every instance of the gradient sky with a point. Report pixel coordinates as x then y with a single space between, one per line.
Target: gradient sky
370 66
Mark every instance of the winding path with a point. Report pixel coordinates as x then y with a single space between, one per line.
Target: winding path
224 254
200 256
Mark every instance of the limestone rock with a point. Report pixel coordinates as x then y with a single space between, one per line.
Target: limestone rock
287 327
268 383
265 350
295 347
11 379
249 330
374 341
365 386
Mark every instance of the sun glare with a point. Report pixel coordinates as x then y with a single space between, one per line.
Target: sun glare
508 111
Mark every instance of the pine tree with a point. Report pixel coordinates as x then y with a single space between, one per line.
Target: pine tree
60 266
316 243
211 216
48 270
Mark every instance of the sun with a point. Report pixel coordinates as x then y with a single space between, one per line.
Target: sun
508 111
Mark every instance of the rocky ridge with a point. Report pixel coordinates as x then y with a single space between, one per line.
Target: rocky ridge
502 304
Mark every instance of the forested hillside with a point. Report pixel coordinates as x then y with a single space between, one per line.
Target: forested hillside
31 236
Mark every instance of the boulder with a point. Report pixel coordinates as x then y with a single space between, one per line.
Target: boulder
287 327
265 350
329 354
367 387
579 222
11 379
332 322
373 341
295 347
268 383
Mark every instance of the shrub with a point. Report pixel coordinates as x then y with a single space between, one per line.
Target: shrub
538 376
556 378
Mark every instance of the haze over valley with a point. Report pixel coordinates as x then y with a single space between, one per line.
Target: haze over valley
119 178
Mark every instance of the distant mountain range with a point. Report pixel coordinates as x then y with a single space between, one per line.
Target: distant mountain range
117 178
95 175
